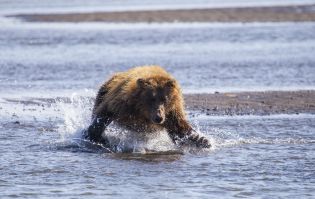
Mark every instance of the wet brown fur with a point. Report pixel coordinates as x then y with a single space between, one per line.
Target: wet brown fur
125 98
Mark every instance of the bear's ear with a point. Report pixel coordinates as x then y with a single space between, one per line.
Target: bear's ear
170 83
142 83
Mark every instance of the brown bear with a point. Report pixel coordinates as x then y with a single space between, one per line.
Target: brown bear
143 99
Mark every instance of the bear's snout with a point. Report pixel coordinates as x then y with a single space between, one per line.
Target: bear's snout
158 116
158 119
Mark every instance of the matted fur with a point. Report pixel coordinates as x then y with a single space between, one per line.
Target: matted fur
124 99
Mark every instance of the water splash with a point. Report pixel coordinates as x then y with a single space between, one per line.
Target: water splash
76 115
220 139
123 140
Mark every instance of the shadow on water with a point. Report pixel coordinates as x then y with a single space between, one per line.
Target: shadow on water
166 156
84 146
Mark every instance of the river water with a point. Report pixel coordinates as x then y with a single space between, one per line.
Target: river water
49 74
203 57
42 156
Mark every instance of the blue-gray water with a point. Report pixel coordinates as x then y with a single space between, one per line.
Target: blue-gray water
49 72
252 156
203 57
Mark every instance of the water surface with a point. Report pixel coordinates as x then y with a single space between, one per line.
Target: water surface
49 74
203 57
42 156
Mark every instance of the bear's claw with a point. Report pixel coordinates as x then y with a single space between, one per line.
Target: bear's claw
204 143
199 141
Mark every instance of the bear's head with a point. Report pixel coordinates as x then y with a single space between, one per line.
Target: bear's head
156 97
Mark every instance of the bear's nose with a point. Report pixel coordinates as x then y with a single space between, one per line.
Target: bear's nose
158 119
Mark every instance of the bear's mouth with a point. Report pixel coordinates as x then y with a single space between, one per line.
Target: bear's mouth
157 118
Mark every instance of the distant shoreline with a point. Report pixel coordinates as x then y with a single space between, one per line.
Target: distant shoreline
253 103
294 13
227 103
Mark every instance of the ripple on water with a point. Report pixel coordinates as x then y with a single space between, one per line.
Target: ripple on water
250 157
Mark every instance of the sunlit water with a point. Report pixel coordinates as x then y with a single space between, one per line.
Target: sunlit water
49 74
203 57
43 156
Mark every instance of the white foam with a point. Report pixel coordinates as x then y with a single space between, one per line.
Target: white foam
139 142
221 139
76 116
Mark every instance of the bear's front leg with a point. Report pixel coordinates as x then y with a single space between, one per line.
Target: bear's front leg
180 129
101 119
95 130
